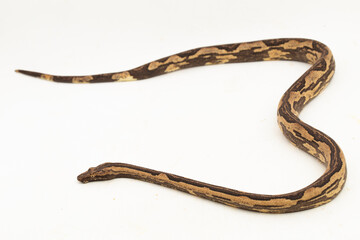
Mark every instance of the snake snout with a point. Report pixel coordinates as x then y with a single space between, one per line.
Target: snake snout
86 176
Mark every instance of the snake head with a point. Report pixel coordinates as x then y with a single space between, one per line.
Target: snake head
98 173
87 176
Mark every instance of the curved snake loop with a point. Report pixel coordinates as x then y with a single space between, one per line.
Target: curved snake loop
305 137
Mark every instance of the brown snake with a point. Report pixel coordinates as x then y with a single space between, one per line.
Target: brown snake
305 137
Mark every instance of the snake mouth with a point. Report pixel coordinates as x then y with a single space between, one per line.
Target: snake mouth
88 176
84 177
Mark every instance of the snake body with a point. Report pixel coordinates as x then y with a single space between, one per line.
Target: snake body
305 137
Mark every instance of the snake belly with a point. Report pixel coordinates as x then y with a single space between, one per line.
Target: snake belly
302 135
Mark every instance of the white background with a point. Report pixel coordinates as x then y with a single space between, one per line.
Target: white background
215 124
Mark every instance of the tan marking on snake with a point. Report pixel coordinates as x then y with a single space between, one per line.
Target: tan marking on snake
226 57
85 79
172 59
123 77
275 54
46 77
207 50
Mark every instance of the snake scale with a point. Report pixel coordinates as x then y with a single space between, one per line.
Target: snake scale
305 137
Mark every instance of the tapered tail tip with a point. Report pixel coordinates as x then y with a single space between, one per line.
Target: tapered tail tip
29 73
21 71
37 75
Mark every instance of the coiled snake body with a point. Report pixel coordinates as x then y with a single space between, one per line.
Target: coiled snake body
305 137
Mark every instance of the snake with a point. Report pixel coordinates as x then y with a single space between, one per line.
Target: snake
305 137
